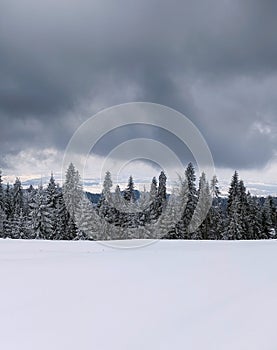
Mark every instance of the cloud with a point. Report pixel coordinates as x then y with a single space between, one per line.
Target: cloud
214 61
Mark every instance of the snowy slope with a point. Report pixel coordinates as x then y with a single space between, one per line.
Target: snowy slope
168 295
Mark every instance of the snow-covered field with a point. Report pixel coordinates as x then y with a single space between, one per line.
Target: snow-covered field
167 295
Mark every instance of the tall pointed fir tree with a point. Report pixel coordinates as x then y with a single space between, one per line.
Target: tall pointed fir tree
104 204
52 195
216 222
253 217
84 220
234 229
236 225
17 196
153 210
268 218
191 201
129 194
2 204
2 207
2 223
40 216
182 195
201 221
161 195
62 230
9 210
20 226
233 191
72 194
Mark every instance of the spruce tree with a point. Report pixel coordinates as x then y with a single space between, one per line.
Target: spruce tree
129 194
201 220
40 216
17 197
233 191
191 200
161 191
8 199
72 191
2 202
2 222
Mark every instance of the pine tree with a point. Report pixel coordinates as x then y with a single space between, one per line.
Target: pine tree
2 202
83 219
19 226
267 216
72 191
40 216
201 221
52 195
107 185
2 223
237 209
62 219
180 230
153 189
8 199
191 200
234 229
166 227
104 204
153 211
253 218
17 197
233 191
215 214
129 194
161 196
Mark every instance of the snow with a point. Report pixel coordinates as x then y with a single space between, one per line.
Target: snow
165 295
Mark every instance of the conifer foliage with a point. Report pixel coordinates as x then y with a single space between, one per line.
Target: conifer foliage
191 211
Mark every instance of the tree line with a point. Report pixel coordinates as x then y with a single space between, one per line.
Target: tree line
191 211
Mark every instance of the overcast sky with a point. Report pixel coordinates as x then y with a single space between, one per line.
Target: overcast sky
214 61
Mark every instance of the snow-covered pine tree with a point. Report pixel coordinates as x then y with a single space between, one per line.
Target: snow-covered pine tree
52 195
243 210
237 209
107 185
165 227
2 203
8 199
62 219
181 193
40 216
72 191
267 216
191 200
117 197
129 194
201 221
19 228
17 196
105 202
253 218
84 219
215 214
234 229
154 203
154 189
2 222
161 195
233 191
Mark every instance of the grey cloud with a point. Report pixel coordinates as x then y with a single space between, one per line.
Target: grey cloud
214 61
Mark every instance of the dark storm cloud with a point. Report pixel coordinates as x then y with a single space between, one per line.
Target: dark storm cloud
214 61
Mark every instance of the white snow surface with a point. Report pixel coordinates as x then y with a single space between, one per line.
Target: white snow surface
167 295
